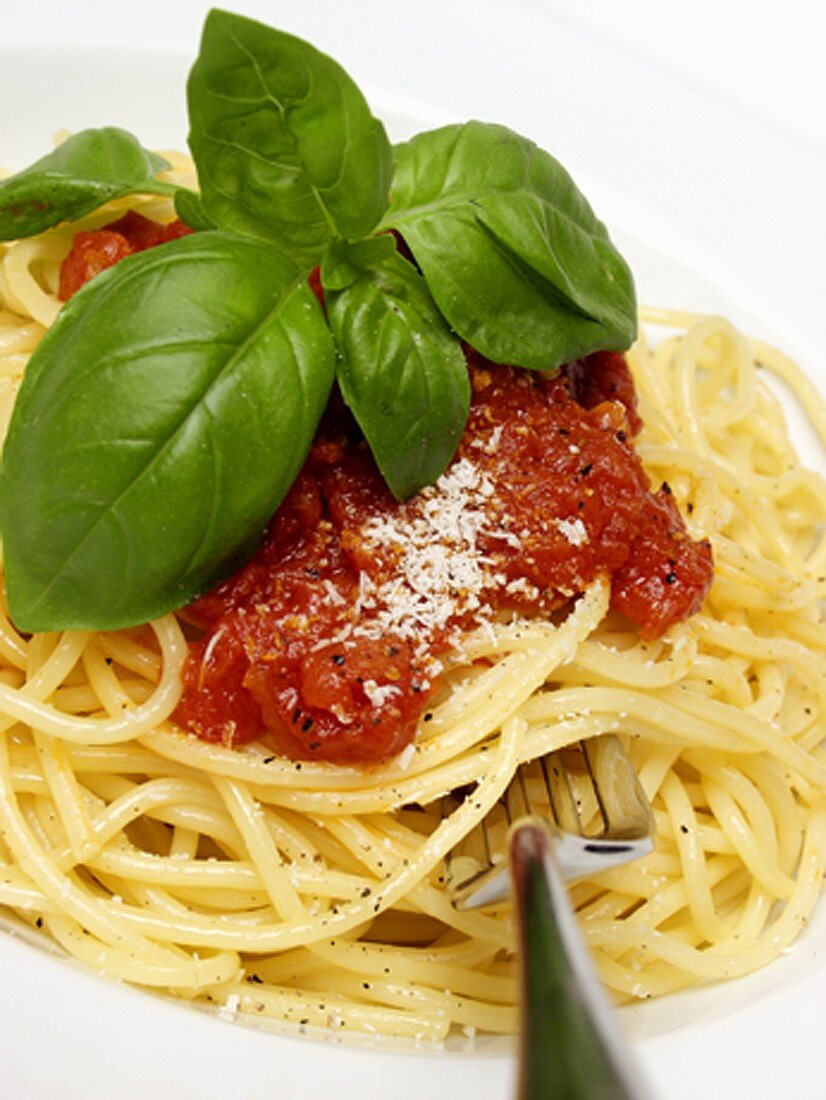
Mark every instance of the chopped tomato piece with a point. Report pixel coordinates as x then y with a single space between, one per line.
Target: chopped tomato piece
94 250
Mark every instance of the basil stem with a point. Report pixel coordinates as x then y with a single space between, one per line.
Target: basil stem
190 209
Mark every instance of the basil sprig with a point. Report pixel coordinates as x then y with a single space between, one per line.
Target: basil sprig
166 413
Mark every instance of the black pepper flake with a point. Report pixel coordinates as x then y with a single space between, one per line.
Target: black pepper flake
689 507
269 759
39 922
255 978
296 714
684 829
108 660
337 658
671 577
307 725
621 436
666 488
366 892
314 746
365 985
427 717
586 469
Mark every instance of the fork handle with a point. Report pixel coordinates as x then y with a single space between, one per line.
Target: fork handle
570 1046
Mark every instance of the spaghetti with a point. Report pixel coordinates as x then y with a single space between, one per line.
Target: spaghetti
314 894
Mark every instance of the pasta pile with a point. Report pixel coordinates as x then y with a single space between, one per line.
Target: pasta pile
315 895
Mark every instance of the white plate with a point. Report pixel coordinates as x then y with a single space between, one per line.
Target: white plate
717 206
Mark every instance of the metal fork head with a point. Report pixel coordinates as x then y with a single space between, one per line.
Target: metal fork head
589 792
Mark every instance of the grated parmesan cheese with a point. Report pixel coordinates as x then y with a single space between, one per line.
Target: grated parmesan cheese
442 572
379 694
573 530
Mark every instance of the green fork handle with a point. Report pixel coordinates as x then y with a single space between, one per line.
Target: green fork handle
570 1045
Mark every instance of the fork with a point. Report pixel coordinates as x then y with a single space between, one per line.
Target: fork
572 813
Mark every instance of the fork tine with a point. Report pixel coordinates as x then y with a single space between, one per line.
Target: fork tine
560 796
517 802
627 821
624 805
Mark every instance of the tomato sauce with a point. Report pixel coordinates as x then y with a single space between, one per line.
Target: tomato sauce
95 250
326 644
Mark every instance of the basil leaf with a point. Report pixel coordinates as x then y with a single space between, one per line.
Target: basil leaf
190 209
513 254
401 371
85 171
285 144
160 422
